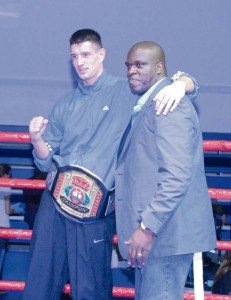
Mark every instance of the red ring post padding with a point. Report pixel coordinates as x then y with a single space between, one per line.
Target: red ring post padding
15 137
118 292
222 194
224 245
10 233
208 145
212 145
19 183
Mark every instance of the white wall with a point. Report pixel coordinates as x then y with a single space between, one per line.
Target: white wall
35 70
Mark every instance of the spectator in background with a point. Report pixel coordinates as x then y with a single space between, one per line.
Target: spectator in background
6 207
219 217
32 199
222 280
5 210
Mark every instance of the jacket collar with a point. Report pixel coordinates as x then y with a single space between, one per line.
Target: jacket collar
138 119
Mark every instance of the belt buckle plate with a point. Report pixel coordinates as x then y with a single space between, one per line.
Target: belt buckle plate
78 194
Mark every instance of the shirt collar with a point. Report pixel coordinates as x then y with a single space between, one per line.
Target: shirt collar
90 89
143 99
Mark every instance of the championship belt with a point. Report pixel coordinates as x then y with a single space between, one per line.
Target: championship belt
79 194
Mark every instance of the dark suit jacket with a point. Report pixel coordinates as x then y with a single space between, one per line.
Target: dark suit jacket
160 179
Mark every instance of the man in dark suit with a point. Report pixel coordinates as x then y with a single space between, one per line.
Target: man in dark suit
163 210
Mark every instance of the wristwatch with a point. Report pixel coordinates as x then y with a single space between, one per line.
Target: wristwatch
177 75
143 227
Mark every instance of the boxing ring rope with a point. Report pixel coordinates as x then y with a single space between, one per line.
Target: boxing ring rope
220 194
14 137
25 234
30 184
119 292
208 145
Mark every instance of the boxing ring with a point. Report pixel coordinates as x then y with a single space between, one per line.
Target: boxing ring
119 292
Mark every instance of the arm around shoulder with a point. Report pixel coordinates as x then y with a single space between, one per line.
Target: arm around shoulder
170 96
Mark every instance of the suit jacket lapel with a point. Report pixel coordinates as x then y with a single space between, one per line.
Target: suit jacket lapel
141 114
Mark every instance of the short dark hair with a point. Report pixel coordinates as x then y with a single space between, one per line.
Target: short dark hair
5 170
84 35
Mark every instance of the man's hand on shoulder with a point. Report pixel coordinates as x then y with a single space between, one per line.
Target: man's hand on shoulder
169 97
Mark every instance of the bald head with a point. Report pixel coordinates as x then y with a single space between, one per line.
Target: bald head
145 66
152 49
